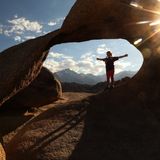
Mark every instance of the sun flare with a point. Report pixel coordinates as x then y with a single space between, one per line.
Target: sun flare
154 24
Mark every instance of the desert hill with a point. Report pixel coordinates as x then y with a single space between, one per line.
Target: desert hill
77 87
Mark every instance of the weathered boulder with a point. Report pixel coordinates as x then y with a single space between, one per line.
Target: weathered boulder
20 64
44 89
2 153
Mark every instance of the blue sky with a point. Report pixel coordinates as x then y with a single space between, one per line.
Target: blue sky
21 20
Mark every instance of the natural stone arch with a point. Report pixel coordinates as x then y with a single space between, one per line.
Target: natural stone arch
117 19
22 63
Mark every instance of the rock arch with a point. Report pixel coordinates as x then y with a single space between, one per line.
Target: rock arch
20 64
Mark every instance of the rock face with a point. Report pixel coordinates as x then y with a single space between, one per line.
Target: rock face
43 90
2 153
20 65
110 20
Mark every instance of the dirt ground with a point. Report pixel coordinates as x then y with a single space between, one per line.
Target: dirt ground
11 123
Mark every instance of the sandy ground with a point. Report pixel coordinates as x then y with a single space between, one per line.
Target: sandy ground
68 97
11 124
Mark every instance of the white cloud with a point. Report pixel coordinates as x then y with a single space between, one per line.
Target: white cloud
88 57
25 28
29 37
58 55
6 33
22 24
1 30
52 23
55 55
19 26
52 65
102 45
21 29
56 21
15 16
58 61
18 38
121 66
102 49
86 64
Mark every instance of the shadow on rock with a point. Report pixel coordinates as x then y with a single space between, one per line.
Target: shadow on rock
11 120
50 135
121 128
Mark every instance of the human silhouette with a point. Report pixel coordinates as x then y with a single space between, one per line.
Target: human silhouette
109 62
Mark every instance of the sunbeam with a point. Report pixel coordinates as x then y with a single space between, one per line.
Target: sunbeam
140 7
136 5
147 38
153 24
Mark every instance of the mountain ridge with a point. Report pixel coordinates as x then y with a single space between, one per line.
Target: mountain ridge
70 76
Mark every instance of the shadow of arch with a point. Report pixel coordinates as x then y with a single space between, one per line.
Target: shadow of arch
117 127
51 129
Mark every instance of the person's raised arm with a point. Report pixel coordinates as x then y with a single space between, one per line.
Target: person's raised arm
101 59
126 55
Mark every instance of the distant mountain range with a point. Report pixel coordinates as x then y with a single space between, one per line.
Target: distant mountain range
70 76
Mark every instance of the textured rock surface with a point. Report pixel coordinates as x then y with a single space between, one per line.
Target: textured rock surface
109 20
43 90
2 153
20 65
52 135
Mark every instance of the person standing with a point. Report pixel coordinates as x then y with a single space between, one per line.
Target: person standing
109 62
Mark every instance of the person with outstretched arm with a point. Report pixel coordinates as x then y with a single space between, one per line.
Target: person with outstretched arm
109 62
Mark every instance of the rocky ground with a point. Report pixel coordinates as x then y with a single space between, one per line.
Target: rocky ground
87 126
16 121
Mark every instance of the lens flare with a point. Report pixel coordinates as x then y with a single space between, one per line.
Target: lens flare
138 41
134 4
154 23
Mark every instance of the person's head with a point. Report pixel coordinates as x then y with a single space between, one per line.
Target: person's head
109 54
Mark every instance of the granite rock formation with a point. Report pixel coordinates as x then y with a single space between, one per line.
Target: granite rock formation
43 90
2 153
21 64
